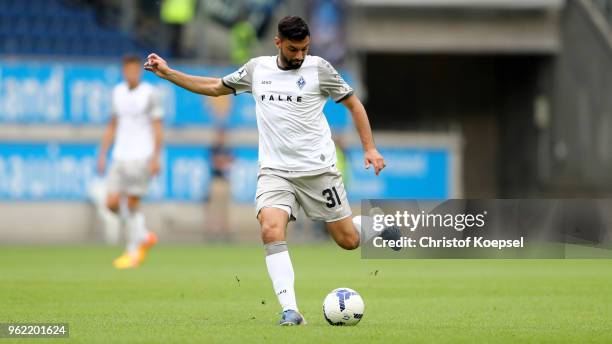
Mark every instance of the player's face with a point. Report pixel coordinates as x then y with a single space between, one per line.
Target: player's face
132 74
293 53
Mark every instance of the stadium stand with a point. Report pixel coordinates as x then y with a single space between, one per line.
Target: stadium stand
57 28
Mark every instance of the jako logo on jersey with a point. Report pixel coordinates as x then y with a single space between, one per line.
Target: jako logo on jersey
241 73
281 98
301 82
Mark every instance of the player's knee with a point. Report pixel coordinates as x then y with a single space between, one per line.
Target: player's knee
133 204
271 231
113 205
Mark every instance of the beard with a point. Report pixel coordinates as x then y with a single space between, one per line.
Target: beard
291 64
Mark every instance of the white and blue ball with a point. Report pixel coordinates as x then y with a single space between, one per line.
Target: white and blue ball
343 306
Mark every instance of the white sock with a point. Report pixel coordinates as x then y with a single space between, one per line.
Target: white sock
280 270
137 231
112 225
361 221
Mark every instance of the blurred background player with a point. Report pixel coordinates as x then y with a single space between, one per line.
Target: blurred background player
135 129
297 156
219 197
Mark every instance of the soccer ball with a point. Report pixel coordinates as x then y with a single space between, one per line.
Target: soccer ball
343 306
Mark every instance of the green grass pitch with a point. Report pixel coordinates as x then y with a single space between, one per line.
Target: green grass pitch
222 294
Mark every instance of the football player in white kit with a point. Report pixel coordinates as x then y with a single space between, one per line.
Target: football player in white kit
296 153
135 129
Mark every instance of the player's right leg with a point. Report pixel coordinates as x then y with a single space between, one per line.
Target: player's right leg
127 259
130 258
140 238
275 208
273 223
115 183
131 177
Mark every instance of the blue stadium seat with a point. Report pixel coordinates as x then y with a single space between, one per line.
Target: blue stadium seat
52 27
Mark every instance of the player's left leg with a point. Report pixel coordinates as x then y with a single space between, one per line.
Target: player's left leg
324 197
344 233
349 233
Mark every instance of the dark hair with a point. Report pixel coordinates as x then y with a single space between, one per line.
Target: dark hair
127 59
293 28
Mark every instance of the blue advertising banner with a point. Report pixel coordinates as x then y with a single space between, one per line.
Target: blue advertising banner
415 173
79 94
243 175
63 171
56 172
410 173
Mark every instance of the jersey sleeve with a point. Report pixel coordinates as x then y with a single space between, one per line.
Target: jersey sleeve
331 83
156 109
241 80
114 102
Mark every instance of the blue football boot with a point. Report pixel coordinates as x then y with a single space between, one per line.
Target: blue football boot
392 233
291 318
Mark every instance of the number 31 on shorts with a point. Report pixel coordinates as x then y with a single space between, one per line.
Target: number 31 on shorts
332 197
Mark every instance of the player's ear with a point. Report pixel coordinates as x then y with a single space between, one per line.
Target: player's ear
277 42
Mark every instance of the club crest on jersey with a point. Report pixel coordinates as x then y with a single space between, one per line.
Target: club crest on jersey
301 82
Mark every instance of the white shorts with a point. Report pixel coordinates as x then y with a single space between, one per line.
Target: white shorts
129 177
321 193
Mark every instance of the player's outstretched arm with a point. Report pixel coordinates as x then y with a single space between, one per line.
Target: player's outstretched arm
198 84
360 118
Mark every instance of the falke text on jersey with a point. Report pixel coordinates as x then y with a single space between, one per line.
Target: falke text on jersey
280 98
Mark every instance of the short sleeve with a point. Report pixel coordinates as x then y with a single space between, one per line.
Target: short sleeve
241 80
156 109
331 83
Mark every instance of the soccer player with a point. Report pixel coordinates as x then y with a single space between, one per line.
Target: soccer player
297 157
135 128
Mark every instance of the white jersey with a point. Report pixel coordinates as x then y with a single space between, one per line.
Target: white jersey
293 132
135 109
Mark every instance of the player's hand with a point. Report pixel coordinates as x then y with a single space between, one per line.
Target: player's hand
154 166
374 158
157 65
101 166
